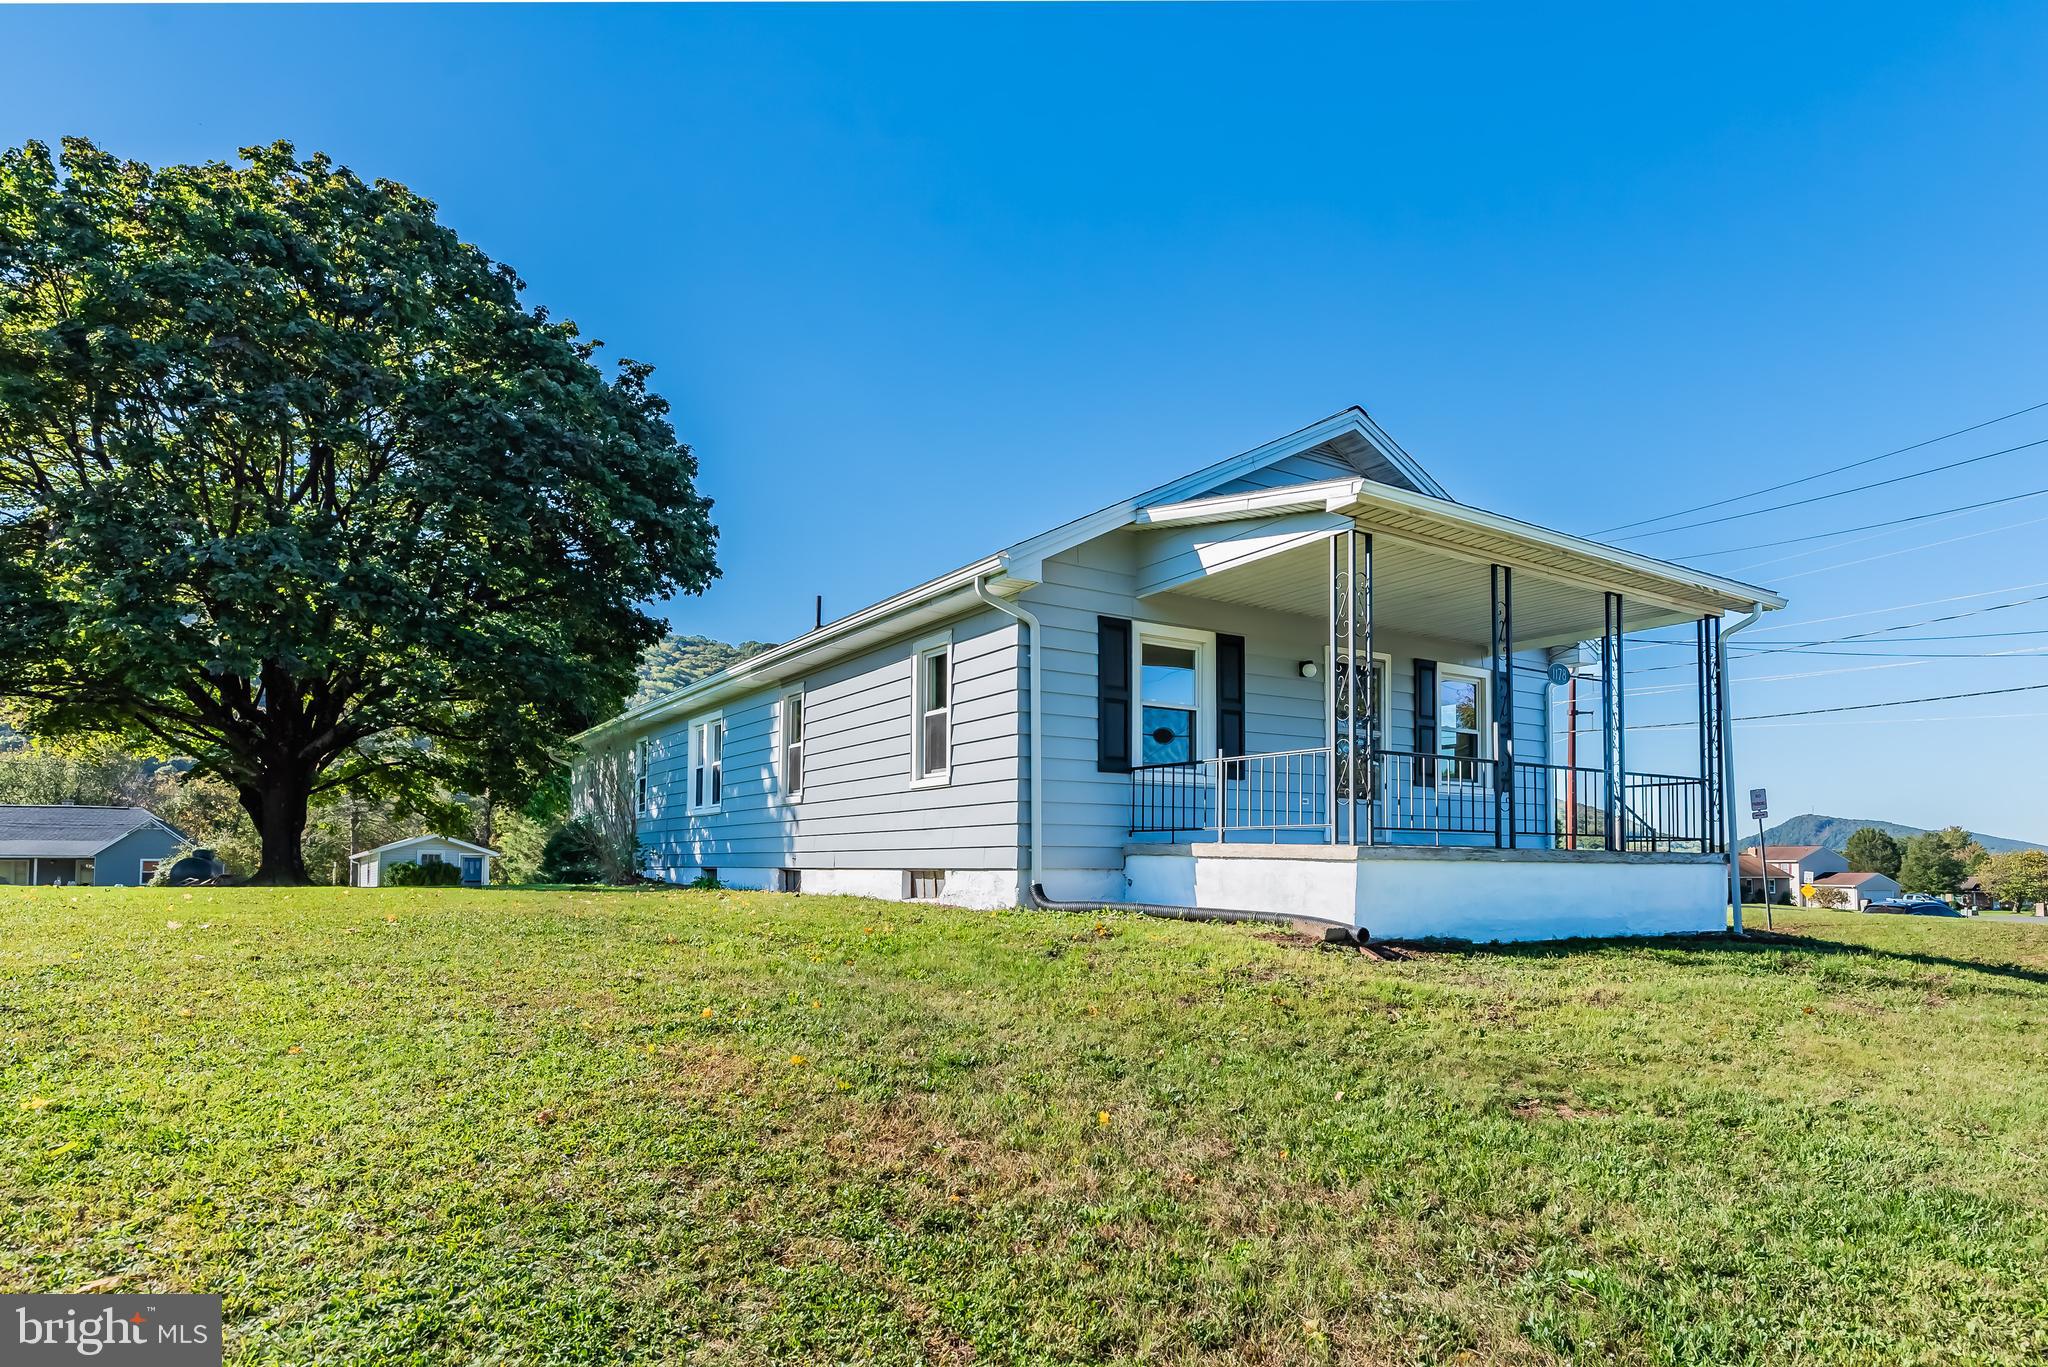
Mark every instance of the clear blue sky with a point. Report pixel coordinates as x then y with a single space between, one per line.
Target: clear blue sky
920 281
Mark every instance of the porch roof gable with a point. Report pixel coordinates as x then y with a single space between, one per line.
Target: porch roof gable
1459 529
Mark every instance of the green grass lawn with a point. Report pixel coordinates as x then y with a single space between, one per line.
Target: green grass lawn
548 1127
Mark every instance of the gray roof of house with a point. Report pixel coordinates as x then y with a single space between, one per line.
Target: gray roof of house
66 832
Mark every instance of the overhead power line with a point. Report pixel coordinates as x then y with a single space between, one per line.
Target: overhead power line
1738 650
1862 706
1904 550
1767 627
1866 527
1808 479
1838 493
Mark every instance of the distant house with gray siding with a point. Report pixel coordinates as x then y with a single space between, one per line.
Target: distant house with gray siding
1155 703
80 845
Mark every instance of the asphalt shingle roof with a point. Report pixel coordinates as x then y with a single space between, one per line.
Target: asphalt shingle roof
65 832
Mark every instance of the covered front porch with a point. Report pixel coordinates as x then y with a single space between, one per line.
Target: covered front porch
1472 744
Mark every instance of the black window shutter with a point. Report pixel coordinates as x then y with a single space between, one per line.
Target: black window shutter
1230 694
1112 695
1425 723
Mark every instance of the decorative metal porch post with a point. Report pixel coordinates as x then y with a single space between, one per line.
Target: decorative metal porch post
1503 583
1366 738
1353 727
1613 726
1711 664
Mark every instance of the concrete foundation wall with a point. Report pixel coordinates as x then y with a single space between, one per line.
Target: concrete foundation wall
1484 895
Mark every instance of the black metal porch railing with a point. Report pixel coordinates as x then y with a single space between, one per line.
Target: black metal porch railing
1420 798
1423 794
1284 790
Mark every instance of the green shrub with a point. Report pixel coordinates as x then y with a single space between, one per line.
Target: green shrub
574 854
410 875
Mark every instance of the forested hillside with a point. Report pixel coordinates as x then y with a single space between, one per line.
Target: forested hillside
677 661
1834 833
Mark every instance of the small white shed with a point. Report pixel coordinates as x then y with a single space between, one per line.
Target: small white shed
366 870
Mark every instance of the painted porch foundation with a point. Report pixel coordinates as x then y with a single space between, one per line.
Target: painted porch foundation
1466 894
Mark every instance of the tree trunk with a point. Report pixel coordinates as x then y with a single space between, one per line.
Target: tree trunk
277 803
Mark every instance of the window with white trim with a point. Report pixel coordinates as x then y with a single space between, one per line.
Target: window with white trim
931 708
1462 728
707 763
1174 712
640 777
148 870
792 744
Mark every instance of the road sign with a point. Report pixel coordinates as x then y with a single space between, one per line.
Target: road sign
1759 804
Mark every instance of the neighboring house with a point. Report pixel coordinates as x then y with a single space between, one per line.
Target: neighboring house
1970 893
1792 868
366 870
1862 888
73 844
1155 704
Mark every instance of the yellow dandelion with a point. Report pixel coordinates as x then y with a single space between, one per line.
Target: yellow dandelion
709 1013
1102 1118
650 1049
817 1006
797 1060
294 1050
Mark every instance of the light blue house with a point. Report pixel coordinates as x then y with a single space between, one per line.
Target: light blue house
71 844
1156 704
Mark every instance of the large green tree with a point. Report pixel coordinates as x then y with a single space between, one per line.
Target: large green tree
1931 864
2018 878
1871 850
293 483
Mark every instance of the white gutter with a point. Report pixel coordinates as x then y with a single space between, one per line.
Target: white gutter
1030 622
1728 773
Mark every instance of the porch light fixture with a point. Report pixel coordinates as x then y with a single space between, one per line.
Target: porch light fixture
1307 669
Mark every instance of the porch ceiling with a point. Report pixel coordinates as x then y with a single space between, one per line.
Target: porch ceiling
1429 592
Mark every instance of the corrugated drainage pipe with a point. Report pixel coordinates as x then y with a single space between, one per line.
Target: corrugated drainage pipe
1036 890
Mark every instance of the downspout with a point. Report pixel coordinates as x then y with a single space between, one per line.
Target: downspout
1034 889
1728 772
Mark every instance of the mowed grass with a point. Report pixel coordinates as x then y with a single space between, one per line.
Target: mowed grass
415 1126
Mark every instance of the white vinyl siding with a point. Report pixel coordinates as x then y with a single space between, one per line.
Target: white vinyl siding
860 809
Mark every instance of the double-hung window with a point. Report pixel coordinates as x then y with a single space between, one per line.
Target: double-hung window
931 708
707 763
792 723
1461 724
1176 703
640 777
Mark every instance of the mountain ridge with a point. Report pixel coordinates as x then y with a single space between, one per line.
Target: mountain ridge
1812 828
